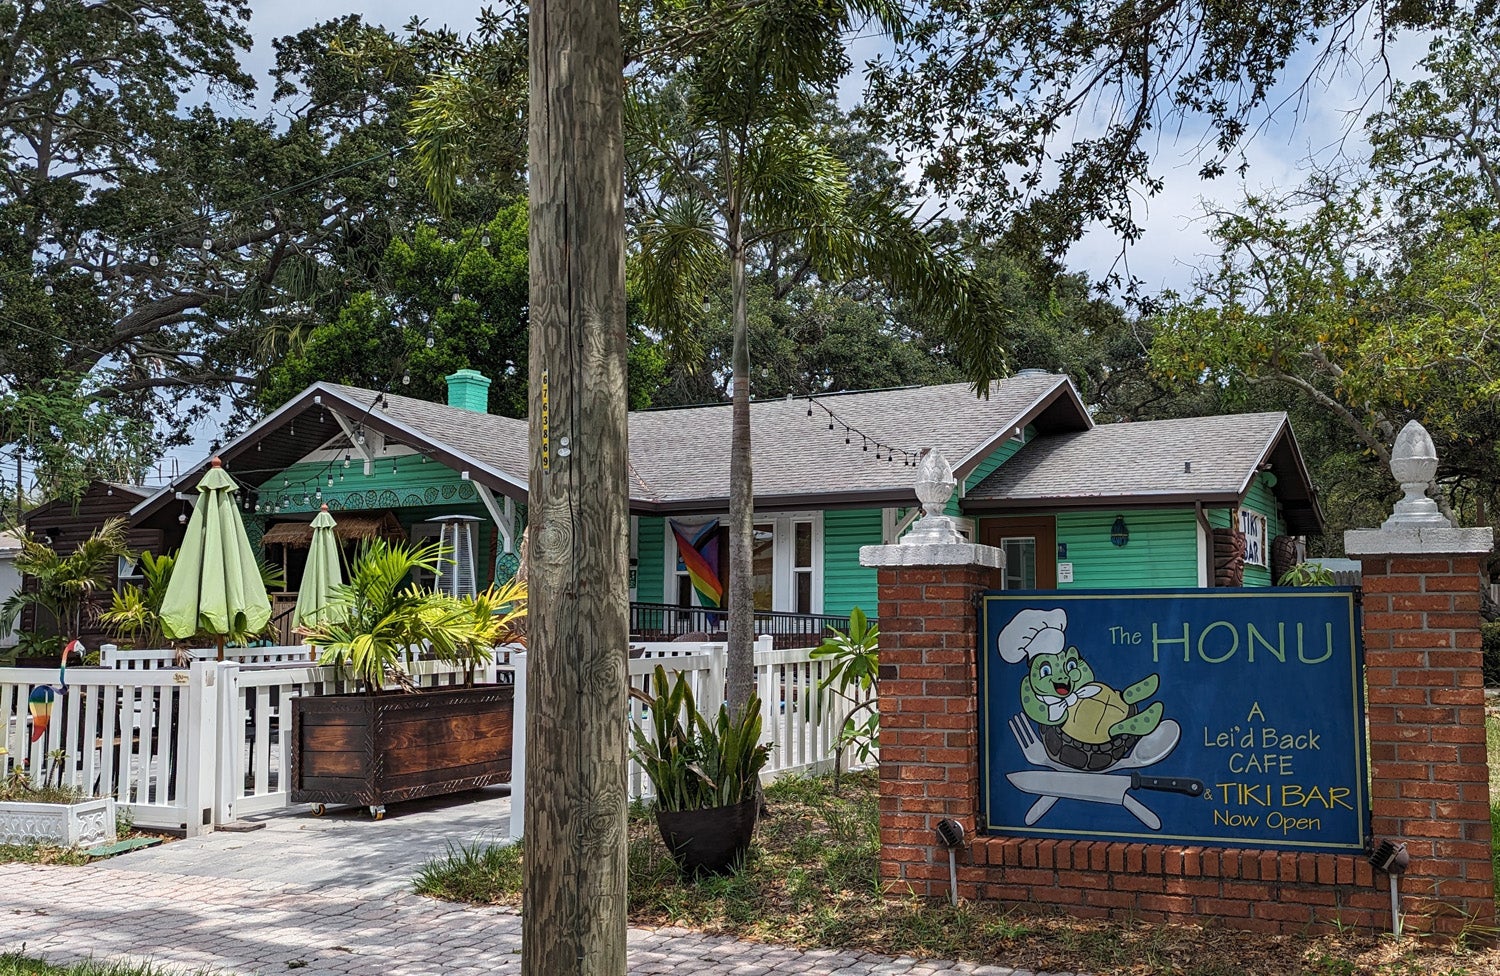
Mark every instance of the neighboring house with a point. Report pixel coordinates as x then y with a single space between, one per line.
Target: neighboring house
10 577
1035 477
63 524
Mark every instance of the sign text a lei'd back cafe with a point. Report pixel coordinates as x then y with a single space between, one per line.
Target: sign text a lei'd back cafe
1228 718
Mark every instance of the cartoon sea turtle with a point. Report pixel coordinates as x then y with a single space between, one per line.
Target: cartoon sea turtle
1085 723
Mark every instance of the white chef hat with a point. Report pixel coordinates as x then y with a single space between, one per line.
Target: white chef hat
1032 632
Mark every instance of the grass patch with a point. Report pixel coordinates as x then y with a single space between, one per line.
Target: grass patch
812 880
39 854
471 872
17 790
13 964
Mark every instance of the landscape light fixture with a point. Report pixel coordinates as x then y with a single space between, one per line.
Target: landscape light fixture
1393 860
1119 533
950 834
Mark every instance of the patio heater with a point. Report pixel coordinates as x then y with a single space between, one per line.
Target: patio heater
456 575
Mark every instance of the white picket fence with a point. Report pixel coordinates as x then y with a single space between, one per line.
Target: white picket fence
179 748
190 748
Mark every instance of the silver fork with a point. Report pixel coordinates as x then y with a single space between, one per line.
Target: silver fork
1036 754
1031 746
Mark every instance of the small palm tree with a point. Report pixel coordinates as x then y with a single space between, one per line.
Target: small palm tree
65 583
387 615
134 612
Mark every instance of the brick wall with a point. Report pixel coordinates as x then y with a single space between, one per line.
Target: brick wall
1426 713
1427 748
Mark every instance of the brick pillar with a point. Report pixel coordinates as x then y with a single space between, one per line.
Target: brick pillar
1424 678
929 721
1426 714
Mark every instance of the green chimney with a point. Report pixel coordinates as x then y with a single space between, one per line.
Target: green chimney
469 390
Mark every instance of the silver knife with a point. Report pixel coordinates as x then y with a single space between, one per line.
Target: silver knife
1098 787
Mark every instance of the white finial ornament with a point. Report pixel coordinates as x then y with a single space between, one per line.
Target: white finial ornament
1414 463
935 483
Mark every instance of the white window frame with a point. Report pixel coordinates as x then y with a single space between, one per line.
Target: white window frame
1036 556
783 588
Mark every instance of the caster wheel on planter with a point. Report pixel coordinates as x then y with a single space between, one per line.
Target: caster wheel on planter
377 813
319 809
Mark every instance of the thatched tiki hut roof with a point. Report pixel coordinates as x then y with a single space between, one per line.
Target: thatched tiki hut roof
350 528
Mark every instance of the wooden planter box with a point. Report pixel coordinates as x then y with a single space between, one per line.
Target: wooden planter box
86 823
370 750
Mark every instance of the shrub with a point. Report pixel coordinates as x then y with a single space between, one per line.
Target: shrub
1491 633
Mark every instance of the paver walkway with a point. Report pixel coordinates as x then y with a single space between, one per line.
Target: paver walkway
331 897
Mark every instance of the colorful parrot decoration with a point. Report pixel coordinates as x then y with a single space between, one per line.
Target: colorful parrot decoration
42 696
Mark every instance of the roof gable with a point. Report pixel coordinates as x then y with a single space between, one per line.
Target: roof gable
1180 461
679 458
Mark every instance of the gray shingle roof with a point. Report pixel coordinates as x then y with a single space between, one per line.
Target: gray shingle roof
681 456
1143 461
495 440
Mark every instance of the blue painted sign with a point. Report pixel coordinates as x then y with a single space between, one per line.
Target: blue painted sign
1222 717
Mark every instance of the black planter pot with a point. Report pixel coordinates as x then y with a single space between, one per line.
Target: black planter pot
711 841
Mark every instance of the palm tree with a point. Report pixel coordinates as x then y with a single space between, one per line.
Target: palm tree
728 148
721 142
65 583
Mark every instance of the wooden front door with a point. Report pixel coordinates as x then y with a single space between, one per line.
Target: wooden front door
1030 546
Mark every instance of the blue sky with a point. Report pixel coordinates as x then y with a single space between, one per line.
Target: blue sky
1285 147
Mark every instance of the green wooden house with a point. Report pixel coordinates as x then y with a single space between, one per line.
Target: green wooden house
1072 504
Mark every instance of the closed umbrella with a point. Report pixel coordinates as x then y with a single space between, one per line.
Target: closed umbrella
216 585
318 600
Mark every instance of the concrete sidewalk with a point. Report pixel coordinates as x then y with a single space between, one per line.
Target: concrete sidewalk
332 897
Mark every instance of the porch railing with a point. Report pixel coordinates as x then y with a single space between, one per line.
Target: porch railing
651 622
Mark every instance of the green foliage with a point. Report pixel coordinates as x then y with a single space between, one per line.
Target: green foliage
134 613
694 763
1041 120
1490 634
854 667
1368 294
1307 574
64 583
389 617
476 873
71 439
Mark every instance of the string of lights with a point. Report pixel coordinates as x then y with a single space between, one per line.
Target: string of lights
883 450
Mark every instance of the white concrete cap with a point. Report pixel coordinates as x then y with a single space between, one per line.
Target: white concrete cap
1418 540
939 554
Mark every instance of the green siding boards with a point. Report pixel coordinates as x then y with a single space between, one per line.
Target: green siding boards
1162 551
650 568
847 584
1262 499
981 471
415 490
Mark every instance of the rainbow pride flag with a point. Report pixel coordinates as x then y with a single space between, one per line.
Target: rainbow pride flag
698 551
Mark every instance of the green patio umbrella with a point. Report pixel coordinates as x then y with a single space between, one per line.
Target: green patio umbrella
318 598
216 586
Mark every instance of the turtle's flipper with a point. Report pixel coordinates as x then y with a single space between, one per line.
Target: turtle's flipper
1141 723
1141 690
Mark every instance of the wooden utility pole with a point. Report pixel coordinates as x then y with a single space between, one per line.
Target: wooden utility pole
574 919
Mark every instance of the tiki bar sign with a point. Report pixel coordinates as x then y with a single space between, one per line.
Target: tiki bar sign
1230 718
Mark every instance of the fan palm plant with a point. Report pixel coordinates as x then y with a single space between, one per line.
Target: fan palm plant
387 615
134 612
63 584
